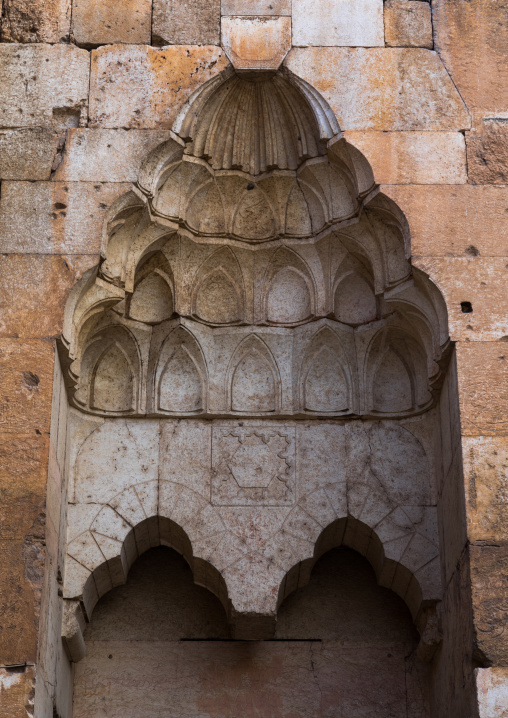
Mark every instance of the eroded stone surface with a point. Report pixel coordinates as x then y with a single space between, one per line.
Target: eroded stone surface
144 87
106 155
482 373
255 7
486 483
454 221
487 153
471 38
38 21
27 154
489 579
408 23
389 89
43 85
492 686
55 217
186 23
413 157
111 21
482 283
22 276
329 22
256 43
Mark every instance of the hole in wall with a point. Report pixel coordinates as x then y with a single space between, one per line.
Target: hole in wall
466 307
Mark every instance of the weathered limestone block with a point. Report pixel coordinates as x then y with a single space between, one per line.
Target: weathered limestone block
482 369
35 21
471 38
22 547
55 217
408 23
486 483
27 154
416 92
487 152
255 7
17 690
480 281
26 367
460 220
413 157
24 314
191 22
492 685
125 451
143 87
489 583
336 22
43 85
95 155
256 43
110 21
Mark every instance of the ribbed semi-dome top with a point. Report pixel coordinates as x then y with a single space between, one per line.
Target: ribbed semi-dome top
256 122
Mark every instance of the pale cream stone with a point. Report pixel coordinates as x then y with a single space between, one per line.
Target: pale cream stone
96 155
111 21
55 217
192 22
408 23
137 86
389 89
185 455
125 451
492 684
255 7
347 23
256 43
43 85
413 157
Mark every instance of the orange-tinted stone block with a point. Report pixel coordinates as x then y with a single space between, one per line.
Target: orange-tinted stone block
137 86
454 221
33 292
471 38
108 21
482 369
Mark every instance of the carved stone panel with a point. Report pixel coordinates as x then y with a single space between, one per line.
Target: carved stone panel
253 466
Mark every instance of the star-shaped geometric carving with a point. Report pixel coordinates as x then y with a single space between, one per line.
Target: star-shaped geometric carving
253 466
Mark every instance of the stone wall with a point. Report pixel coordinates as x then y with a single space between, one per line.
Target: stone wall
87 90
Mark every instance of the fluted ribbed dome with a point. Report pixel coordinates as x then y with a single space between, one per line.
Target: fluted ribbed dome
256 122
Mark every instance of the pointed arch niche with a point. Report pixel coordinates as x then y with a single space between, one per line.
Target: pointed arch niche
255 375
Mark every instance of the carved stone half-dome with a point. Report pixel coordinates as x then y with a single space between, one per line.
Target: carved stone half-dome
256 122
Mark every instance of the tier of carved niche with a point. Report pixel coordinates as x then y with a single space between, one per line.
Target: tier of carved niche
226 331
261 282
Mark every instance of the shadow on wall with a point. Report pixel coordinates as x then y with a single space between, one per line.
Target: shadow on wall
342 644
